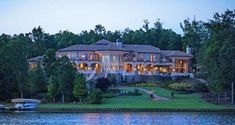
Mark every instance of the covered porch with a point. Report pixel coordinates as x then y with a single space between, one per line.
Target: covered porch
88 67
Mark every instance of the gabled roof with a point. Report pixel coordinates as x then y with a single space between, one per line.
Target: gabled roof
102 42
141 48
174 53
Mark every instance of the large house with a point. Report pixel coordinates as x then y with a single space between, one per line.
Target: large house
104 57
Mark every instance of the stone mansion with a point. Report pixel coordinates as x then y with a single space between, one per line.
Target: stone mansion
105 56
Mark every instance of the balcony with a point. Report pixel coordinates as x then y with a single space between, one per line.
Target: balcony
138 60
84 59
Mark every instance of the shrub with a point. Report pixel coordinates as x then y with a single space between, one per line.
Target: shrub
165 84
137 92
132 93
108 95
95 96
102 84
203 75
200 87
114 91
143 84
180 86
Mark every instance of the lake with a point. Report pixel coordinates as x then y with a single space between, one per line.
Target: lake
158 118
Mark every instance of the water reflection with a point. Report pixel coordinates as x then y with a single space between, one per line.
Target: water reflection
28 118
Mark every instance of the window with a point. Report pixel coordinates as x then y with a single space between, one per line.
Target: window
152 57
141 57
147 57
83 56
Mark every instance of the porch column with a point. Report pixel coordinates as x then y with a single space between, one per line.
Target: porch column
173 66
186 66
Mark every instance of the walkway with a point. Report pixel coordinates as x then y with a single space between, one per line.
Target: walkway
200 80
155 96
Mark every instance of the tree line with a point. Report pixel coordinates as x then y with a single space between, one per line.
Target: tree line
214 48
213 44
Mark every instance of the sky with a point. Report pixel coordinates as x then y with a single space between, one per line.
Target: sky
21 16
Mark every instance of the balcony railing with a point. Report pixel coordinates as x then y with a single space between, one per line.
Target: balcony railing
138 60
85 59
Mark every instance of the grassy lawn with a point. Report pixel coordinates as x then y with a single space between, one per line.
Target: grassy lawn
193 101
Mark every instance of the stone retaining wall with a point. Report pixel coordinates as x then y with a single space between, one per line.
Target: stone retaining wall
119 78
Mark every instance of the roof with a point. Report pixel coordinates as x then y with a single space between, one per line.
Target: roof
103 45
35 59
24 100
174 53
141 48
102 42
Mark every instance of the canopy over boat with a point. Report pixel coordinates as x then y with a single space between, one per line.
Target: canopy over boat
24 100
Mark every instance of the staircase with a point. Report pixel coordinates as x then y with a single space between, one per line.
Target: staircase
91 75
106 74
94 75
97 76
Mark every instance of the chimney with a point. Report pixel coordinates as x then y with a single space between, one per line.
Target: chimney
119 43
189 49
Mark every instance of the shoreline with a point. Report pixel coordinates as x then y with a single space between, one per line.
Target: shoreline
116 110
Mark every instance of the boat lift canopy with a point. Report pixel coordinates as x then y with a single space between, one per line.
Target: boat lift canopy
24 100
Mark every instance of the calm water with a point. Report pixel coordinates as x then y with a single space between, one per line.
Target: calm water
29 118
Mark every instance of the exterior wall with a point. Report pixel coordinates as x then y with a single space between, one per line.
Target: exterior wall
180 65
112 60
126 62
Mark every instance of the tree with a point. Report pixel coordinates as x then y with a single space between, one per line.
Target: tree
95 96
64 70
38 38
32 87
48 60
15 64
65 39
79 88
146 25
195 34
218 51
53 88
112 36
40 79
158 25
99 29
